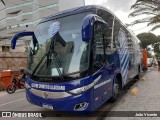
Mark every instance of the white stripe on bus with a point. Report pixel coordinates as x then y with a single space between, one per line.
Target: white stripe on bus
125 58
125 61
124 72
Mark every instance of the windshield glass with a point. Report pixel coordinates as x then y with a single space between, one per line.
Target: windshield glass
63 38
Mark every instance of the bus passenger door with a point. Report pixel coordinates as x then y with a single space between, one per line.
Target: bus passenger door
100 67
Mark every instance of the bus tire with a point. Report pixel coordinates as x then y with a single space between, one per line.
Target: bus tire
139 73
116 90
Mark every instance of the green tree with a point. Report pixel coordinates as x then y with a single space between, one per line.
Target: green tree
157 45
149 55
148 12
147 39
156 48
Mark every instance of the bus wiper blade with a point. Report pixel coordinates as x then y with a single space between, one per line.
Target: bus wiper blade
56 62
40 62
52 51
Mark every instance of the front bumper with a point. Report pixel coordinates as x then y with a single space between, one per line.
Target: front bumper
61 101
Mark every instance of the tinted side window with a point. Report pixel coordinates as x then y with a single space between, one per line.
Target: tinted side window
107 45
106 16
98 44
117 27
130 43
109 20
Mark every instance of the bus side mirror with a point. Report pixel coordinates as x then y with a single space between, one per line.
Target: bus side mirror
86 29
87 26
19 35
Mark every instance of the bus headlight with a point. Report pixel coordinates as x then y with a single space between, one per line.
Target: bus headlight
80 90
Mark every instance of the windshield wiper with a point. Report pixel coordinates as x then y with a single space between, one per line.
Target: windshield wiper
40 63
56 62
50 52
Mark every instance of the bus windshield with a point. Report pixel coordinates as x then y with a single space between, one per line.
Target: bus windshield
67 58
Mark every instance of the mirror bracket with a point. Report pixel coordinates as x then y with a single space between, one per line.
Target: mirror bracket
19 35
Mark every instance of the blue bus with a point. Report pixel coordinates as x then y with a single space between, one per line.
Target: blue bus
79 58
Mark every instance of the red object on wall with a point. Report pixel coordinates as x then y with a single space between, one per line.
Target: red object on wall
145 66
6 77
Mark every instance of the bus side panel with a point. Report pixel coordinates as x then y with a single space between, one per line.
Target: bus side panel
137 56
123 55
103 89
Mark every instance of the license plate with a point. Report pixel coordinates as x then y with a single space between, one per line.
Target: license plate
47 106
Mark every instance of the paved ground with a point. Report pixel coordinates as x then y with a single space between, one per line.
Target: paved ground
146 98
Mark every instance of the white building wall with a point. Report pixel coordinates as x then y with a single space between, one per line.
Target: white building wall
18 49
0 48
68 4
31 12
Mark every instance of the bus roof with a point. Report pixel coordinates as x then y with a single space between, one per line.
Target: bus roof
88 8
74 11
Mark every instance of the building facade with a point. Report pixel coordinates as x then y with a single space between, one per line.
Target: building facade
24 15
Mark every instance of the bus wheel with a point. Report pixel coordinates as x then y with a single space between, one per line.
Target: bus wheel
138 74
116 90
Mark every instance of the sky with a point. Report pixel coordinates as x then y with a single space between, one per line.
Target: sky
121 8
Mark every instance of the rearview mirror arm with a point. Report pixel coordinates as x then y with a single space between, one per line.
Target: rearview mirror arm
19 35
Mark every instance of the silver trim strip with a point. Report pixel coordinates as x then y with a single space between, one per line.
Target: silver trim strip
51 95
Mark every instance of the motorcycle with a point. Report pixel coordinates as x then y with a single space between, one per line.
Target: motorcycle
14 85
